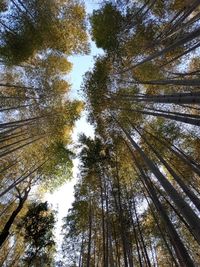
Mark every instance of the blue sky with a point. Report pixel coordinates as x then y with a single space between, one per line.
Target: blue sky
62 198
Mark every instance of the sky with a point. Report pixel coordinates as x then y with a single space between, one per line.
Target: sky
62 198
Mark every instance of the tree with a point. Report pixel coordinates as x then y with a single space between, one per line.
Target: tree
55 25
106 24
38 225
137 96
6 229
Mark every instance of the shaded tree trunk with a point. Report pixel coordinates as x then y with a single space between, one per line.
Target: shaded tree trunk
6 229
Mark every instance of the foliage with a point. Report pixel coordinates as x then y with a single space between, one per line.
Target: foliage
38 225
55 25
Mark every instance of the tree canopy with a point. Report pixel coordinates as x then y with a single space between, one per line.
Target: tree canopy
137 196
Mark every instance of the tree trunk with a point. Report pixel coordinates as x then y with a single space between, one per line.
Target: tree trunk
167 116
183 207
180 42
157 223
19 147
6 229
180 182
89 235
188 82
21 179
182 98
135 235
141 235
180 154
181 252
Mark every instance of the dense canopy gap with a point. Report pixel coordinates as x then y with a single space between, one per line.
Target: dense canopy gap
132 70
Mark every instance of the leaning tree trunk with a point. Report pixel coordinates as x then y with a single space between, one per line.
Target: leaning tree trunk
180 154
181 252
176 177
157 223
180 42
6 229
21 179
182 118
187 212
141 235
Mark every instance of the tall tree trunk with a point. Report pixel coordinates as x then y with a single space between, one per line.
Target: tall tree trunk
17 107
18 142
89 235
20 122
13 136
180 182
181 252
167 116
182 98
117 260
183 207
157 223
194 47
180 42
135 235
81 251
102 218
180 154
141 235
120 215
9 166
19 147
186 82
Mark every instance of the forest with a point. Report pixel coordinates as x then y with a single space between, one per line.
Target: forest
137 196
